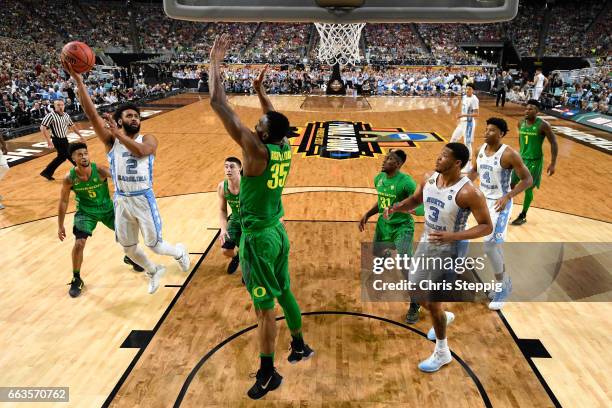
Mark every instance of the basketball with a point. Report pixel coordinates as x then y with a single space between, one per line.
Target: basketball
80 57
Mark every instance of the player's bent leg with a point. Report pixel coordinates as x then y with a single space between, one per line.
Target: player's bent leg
458 132
153 271
299 349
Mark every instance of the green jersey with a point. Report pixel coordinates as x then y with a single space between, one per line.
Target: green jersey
233 200
531 140
92 196
260 196
392 190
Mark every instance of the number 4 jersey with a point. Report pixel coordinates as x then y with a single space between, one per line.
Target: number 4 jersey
131 174
260 196
494 179
92 196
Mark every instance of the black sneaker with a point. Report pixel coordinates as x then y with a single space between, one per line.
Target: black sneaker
135 266
233 265
298 355
413 313
264 384
47 176
76 285
520 220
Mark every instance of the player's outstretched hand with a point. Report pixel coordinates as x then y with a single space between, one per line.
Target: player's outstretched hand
77 77
61 233
219 48
258 82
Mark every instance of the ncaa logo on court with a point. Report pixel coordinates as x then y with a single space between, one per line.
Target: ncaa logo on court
342 140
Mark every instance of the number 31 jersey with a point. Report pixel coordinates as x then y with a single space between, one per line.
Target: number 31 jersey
130 173
392 190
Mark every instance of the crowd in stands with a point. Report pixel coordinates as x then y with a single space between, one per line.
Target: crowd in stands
492 32
568 26
278 43
599 38
442 39
525 28
394 44
590 91
384 81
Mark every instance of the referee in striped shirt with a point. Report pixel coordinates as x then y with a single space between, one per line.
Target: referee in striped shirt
59 122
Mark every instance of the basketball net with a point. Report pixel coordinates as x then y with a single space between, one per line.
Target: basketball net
339 43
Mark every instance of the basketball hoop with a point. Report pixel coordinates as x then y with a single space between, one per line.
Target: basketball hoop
339 43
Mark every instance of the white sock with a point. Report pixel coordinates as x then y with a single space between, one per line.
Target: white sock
137 255
164 248
441 345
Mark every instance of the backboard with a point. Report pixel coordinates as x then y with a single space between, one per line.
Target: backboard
372 11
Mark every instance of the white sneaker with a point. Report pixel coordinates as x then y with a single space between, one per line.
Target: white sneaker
183 260
438 359
155 277
450 317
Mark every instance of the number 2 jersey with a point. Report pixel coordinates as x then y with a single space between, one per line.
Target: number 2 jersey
131 175
260 196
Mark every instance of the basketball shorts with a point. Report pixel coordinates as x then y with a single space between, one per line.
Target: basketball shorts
85 222
434 277
537 92
264 259
499 220
399 236
535 167
135 214
234 230
465 129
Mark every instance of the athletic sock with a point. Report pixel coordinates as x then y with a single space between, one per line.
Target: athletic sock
266 363
164 248
441 344
76 273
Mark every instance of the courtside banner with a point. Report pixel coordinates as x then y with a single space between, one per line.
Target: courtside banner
466 272
593 119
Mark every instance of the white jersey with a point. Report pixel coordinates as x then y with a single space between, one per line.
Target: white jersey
468 105
441 210
132 175
539 80
494 179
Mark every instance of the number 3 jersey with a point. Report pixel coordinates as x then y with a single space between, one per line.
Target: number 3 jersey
132 175
260 196
441 210
494 179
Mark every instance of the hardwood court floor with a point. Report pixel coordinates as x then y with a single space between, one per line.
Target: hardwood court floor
50 339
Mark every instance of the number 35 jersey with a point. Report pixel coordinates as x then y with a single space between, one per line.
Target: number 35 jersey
131 174
260 196
494 179
441 210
